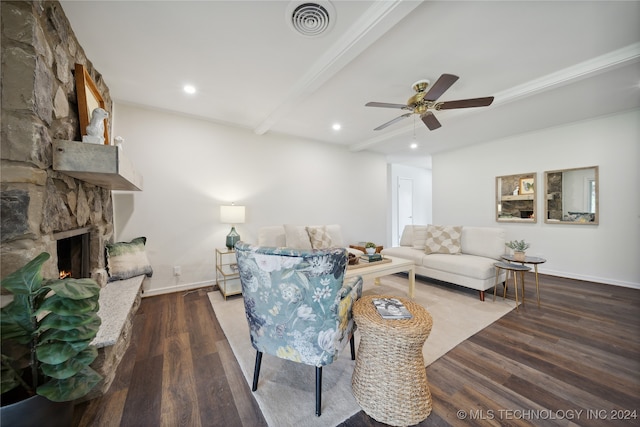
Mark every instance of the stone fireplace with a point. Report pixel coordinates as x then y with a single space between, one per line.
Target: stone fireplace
44 210
40 207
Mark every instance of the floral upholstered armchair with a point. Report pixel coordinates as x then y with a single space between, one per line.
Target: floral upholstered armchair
298 305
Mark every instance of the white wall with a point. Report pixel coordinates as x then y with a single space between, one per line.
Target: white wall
464 193
421 178
190 167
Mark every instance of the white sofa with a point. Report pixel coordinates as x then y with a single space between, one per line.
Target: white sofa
473 267
297 236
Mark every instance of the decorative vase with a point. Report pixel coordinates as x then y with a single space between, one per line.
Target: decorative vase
370 251
37 411
232 238
518 256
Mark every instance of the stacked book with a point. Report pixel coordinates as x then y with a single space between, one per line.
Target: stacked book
371 258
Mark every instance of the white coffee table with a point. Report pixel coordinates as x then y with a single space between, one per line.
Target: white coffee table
375 270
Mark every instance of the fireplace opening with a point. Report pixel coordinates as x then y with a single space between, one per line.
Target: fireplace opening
73 255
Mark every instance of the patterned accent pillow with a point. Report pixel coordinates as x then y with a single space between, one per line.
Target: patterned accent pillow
127 259
319 237
443 239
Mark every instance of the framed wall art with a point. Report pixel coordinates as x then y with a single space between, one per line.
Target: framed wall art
527 185
89 99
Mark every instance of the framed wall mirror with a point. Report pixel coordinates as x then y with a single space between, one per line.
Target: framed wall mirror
571 196
516 198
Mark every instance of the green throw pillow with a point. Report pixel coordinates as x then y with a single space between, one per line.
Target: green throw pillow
128 259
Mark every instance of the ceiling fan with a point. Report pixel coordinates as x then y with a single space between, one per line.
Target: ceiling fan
423 101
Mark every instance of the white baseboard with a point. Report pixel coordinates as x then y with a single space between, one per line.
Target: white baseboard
197 285
589 278
179 288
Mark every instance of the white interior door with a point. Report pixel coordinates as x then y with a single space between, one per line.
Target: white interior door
405 204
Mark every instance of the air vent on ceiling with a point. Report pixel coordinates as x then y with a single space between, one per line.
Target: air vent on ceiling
311 19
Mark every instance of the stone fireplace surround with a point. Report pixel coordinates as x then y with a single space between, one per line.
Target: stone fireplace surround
39 53
38 204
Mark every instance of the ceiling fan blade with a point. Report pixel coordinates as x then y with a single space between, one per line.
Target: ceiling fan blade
465 103
386 105
430 120
392 121
440 86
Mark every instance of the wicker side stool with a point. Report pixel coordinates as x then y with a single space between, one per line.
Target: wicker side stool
390 379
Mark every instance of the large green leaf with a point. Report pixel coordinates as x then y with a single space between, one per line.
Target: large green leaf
88 355
66 306
28 279
9 381
10 375
72 366
74 288
56 352
63 370
16 318
85 332
71 388
55 321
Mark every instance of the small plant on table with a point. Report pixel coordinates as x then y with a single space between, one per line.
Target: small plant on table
519 247
370 247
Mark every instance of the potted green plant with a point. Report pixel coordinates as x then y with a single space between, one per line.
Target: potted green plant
370 248
519 247
47 330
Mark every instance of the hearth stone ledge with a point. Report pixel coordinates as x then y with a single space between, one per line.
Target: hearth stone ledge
120 300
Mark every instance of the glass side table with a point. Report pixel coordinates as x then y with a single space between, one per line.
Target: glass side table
227 273
534 260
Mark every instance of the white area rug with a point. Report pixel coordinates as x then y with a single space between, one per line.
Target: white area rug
286 390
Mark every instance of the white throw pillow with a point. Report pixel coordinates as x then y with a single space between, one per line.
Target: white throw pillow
335 233
272 236
297 237
407 236
419 236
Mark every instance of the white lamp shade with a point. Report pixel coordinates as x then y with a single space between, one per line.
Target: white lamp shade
232 214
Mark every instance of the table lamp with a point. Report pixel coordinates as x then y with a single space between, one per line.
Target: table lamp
232 215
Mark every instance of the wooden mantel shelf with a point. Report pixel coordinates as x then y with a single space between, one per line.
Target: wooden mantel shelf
518 197
102 165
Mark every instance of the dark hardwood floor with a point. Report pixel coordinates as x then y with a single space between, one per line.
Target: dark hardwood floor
573 361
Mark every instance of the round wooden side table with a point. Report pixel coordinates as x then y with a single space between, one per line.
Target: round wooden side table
510 267
390 378
528 260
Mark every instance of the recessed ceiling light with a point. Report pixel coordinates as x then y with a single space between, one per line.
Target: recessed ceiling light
414 145
336 126
189 89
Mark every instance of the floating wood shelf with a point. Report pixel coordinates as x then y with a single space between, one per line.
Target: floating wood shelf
518 197
101 165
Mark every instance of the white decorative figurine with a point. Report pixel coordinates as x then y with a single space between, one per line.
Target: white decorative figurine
119 142
95 129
